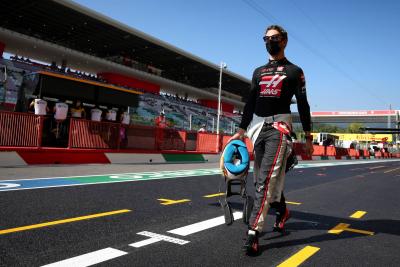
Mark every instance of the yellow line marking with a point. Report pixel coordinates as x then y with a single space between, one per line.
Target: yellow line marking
166 202
299 257
34 226
360 231
391 170
338 229
358 214
214 195
293 203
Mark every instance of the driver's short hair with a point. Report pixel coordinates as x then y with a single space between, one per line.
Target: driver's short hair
280 29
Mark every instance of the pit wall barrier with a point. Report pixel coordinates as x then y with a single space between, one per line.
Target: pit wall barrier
331 152
29 139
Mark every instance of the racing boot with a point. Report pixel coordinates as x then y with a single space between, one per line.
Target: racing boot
250 247
281 219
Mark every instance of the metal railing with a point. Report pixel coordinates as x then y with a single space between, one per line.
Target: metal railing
20 129
93 134
29 130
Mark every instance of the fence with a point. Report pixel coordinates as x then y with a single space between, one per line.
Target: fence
29 130
20 129
93 134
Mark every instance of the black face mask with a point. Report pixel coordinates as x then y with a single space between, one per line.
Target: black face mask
273 48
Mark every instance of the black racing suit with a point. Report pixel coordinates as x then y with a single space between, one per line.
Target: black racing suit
272 89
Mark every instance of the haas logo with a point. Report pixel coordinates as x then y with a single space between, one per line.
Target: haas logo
271 85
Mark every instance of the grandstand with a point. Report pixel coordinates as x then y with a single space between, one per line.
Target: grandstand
183 113
181 84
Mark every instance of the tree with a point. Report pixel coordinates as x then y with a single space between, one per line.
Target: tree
355 127
326 128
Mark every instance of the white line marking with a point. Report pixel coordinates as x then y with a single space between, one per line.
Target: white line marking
391 170
89 258
377 167
341 163
200 226
145 242
111 253
210 171
155 238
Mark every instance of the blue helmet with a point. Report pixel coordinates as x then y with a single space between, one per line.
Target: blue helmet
235 160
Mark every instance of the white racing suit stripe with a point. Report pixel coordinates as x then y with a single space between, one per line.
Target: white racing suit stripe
271 149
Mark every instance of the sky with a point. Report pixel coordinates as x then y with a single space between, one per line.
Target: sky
348 49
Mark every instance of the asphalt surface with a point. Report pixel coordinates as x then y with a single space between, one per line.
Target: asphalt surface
325 197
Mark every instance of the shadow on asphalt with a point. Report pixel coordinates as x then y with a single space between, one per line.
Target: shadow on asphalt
312 221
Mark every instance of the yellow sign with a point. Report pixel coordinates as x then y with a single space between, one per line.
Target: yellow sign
363 137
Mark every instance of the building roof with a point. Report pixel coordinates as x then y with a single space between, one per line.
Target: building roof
71 25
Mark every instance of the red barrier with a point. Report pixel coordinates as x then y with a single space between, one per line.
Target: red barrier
20 129
364 153
353 153
156 138
63 156
207 142
319 150
330 151
225 139
141 137
170 139
93 134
